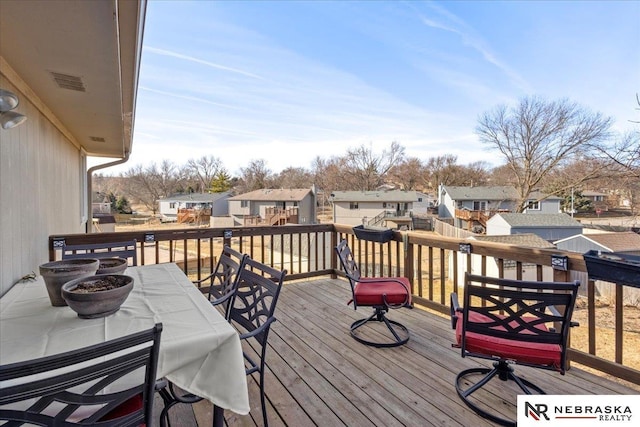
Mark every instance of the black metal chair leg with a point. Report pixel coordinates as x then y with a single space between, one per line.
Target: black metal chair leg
170 399
505 373
263 400
378 316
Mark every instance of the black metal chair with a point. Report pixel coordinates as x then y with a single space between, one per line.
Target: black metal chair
222 287
222 282
50 391
251 311
510 322
126 249
381 293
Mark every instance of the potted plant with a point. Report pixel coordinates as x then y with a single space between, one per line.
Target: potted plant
57 273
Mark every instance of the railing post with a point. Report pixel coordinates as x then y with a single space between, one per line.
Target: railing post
334 256
408 262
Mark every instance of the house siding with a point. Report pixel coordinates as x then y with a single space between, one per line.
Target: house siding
41 192
580 244
219 206
306 208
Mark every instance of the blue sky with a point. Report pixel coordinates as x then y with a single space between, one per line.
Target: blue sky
288 81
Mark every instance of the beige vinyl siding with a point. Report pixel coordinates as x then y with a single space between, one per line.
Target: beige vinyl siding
40 190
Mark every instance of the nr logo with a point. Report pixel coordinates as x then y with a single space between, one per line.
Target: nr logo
536 411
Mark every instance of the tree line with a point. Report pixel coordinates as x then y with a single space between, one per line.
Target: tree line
555 147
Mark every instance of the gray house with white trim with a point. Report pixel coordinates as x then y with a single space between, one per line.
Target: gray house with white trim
216 203
469 207
393 208
274 207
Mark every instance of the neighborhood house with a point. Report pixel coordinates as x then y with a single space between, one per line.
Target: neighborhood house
393 208
193 207
273 207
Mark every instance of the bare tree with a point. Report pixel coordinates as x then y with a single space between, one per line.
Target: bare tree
409 174
254 177
204 170
625 154
473 174
365 170
293 178
155 182
446 170
537 136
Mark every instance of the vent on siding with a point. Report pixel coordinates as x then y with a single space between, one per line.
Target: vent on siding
65 81
97 139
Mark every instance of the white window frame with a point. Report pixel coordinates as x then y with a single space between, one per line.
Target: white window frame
533 205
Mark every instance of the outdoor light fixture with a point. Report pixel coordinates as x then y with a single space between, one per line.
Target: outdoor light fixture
464 248
9 119
560 262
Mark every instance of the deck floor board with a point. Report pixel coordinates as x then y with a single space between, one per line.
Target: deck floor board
319 375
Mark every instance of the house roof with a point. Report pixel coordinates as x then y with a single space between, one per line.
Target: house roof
590 193
538 195
492 193
481 193
374 196
615 242
275 195
538 220
82 59
196 197
529 240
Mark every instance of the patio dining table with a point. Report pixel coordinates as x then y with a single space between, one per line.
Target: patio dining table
200 351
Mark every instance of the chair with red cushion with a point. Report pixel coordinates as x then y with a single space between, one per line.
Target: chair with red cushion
84 387
381 293
510 322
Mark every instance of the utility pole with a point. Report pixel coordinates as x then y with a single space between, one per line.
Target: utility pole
572 210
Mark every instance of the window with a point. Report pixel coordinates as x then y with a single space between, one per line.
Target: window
384 205
480 205
533 205
172 205
244 203
353 205
419 199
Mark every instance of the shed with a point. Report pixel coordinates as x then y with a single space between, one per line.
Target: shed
550 227
627 241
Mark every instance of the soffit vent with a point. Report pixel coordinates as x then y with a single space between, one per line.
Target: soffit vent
66 81
97 139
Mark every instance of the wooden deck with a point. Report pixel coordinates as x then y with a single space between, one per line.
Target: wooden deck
319 375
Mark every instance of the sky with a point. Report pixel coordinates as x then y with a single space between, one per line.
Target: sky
289 81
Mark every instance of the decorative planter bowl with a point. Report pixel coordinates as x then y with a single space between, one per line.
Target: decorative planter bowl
57 273
373 234
113 265
97 296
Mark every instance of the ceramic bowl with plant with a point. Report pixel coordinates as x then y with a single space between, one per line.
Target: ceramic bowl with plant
98 295
57 273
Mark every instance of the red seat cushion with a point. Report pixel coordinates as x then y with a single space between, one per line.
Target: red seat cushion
128 406
370 291
520 351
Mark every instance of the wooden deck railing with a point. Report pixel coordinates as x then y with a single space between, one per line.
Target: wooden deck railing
435 266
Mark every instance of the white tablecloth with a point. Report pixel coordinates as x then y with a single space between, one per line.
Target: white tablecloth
199 351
